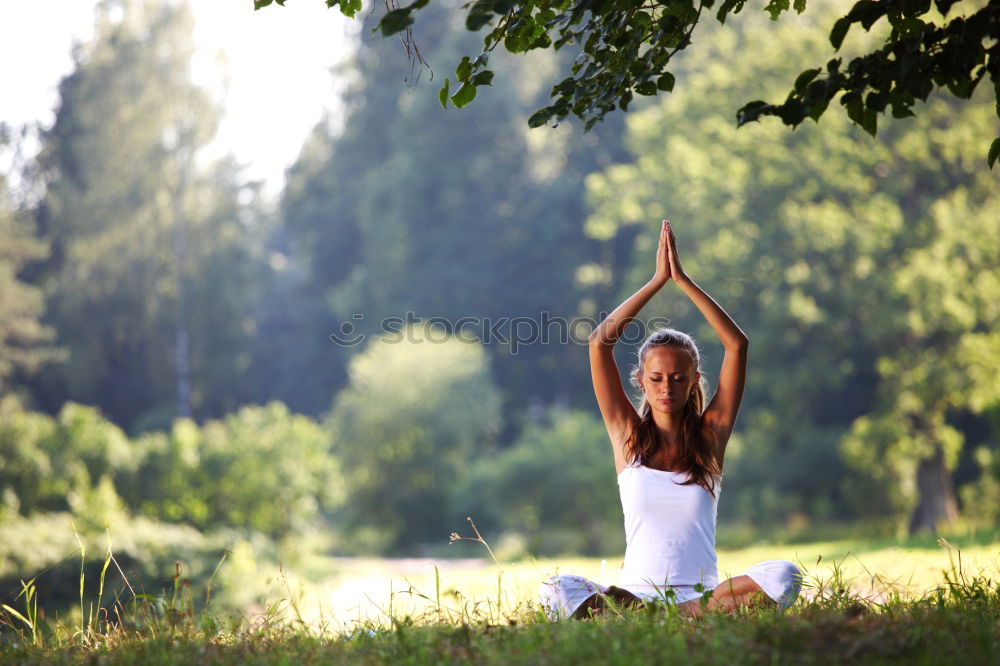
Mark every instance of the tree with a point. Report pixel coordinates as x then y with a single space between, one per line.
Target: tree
24 339
409 210
859 269
554 488
318 238
627 48
944 361
261 468
150 276
59 463
419 409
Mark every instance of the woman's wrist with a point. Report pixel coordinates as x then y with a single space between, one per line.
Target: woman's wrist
683 281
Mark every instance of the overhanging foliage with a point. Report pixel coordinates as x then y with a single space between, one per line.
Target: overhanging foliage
627 46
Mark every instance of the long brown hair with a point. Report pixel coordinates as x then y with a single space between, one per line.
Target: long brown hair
698 449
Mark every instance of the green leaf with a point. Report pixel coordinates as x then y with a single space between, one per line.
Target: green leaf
877 100
729 7
839 31
478 17
869 121
395 21
349 7
465 94
816 92
805 78
484 78
665 82
443 93
800 6
915 7
258 4
515 43
900 110
540 117
868 13
961 88
669 23
646 88
566 86
464 69
855 108
532 32
792 112
817 109
17 615
751 111
542 42
775 7
913 26
994 153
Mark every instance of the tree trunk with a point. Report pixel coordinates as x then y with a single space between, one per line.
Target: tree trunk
936 503
181 350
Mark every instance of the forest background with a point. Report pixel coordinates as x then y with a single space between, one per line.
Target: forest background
203 370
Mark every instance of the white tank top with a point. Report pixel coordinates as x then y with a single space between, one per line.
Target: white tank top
669 531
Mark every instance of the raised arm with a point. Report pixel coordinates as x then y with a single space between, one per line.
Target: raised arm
720 415
617 410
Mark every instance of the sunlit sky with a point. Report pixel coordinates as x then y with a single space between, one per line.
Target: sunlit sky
277 62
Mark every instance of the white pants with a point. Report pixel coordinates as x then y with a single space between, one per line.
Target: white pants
561 596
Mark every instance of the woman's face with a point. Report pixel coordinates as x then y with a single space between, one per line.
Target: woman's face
667 378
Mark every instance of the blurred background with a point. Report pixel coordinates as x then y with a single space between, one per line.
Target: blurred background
193 200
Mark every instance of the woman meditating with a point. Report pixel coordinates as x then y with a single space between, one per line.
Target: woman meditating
669 457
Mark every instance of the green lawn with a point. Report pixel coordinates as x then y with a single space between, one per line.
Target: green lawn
367 589
882 604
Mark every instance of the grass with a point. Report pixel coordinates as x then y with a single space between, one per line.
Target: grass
886 605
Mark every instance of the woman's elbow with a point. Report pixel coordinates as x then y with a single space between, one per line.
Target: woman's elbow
739 343
597 338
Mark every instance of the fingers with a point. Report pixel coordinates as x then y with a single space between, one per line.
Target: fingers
663 254
675 266
670 235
